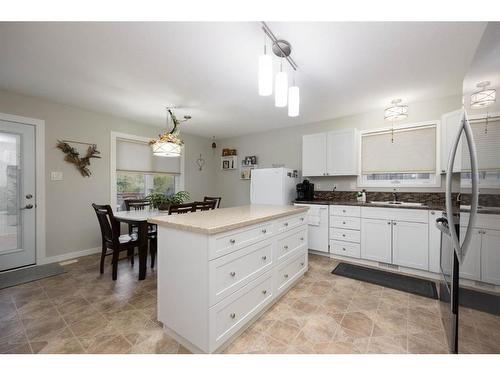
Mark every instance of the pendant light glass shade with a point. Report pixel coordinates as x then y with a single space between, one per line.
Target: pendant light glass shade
483 98
166 149
281 89
265 75
293 101
396 112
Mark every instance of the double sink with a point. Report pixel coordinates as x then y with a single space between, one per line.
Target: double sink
398 203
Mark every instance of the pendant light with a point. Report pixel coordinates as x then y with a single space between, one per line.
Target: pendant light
265 74
293 100
169 144
484 97
395 112
281 88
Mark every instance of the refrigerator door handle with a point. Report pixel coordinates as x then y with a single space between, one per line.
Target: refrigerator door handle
461 250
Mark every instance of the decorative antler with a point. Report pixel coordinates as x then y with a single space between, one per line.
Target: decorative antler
73 156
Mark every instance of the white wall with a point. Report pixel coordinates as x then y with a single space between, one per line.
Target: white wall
71 224
284 146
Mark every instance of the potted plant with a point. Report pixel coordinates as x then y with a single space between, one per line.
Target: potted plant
162 202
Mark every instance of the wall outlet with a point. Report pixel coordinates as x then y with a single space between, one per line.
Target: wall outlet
56 176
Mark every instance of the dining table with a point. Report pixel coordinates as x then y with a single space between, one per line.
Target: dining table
140 219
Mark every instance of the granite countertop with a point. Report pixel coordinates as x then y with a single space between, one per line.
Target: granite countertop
356 203
225 219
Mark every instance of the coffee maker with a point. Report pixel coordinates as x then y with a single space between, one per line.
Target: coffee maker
305 191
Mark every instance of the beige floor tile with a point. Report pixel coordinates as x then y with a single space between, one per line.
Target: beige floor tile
388 345
282 332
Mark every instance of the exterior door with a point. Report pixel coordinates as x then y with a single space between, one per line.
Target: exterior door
17 195
376 240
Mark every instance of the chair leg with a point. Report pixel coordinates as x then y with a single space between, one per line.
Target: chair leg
131 254
153 245
103 255
115 263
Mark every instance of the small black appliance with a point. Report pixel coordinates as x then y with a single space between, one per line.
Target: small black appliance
305 191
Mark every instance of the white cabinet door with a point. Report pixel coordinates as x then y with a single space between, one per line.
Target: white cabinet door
317 225
450 124
342 153
490 256
410 244
314 154
434 243
471 267
376 240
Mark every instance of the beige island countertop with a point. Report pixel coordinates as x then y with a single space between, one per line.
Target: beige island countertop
225 219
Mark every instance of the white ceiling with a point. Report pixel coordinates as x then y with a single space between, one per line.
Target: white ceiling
210 69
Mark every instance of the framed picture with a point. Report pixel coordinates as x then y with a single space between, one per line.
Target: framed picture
225 164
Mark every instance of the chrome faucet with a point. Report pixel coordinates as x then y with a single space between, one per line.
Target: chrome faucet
395 196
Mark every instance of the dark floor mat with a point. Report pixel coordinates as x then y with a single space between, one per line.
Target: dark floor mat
404 283
25 275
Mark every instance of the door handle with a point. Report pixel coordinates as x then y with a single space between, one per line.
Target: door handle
27 207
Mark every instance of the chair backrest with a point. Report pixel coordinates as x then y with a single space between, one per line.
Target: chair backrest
183 208
205 206
136 204
110 227
216 199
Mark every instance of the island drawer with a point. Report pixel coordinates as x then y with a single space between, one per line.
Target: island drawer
345 211
290 242
231 241
348 249
228 316
289 271
231 272
290 222
345 222
345 234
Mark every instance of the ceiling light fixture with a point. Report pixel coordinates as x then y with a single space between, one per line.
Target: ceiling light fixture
283 94
169 144
483 97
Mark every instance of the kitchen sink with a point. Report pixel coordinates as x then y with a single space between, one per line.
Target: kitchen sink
398 203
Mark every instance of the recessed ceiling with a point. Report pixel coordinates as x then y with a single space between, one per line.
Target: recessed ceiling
209 70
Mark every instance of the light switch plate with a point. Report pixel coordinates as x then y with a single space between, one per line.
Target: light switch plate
56 176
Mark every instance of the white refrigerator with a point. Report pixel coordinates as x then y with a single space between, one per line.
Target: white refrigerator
273 186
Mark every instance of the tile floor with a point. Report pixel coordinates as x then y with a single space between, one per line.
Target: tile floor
84 312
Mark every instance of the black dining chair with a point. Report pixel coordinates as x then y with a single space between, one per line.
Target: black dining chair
183 208
205 206
111 238
141 204
216 199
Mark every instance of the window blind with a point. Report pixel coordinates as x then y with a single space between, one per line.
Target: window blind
413 151
487 145
137 156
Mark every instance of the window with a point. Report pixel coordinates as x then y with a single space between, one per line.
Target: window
140 173
409 160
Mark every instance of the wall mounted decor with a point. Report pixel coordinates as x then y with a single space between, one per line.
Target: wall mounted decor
73 156
229 162
200 162
229 152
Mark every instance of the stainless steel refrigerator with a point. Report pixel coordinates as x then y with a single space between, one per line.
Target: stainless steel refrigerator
470 227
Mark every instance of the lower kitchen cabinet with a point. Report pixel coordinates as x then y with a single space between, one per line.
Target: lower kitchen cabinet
376 238
410 244
490 256
471 266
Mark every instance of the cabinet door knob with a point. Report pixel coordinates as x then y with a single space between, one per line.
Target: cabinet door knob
285 247
285 224
233 274
232 241
388 223
302 238
301 219
343 222
264 257
264 231
343 248
433 213
232 315
343 235
264 292
302 264
286 275
343 211
394 223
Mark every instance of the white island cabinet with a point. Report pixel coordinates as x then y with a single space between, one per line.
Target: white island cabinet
219 270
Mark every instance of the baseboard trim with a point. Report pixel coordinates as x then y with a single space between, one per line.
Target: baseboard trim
68 256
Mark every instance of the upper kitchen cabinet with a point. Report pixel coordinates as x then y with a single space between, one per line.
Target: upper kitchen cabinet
314 154
450 126
333 153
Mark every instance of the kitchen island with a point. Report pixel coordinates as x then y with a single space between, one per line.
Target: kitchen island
219 270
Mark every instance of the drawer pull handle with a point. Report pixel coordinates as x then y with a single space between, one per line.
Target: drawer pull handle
286 224
232 315
343 210
432 213
264 231
343 222
264 257
302 264
394 223
302 238
343 235
343 248
233 274
232 241
264 292
301 219
286 276
388 223
285 247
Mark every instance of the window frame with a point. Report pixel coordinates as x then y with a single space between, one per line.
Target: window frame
179 180
435 182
